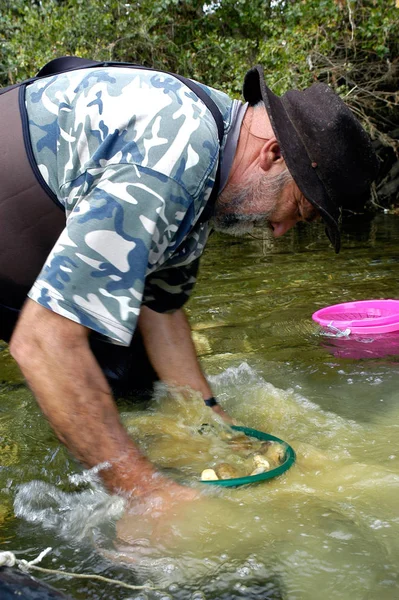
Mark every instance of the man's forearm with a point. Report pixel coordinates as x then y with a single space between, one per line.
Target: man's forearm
170 348
54 356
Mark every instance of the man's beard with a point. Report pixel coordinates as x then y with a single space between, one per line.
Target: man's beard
242 207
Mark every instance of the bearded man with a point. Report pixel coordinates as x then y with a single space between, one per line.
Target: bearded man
143 165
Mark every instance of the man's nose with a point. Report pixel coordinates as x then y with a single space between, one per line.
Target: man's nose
280 229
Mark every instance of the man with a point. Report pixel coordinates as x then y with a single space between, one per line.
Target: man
132 156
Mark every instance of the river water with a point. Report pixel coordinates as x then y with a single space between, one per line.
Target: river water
327 528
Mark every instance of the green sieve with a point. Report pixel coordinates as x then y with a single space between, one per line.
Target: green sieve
289 460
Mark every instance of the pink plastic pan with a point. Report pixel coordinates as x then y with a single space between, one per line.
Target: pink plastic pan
364 316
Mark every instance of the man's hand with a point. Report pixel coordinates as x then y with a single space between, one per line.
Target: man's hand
163 499
222 413
148 521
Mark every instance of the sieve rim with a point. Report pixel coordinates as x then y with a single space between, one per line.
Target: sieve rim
289 460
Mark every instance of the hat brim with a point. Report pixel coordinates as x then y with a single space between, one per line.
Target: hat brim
296 157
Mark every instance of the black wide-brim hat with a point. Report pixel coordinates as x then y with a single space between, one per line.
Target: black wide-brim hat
326 150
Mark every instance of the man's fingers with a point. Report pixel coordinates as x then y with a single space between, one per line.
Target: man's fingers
222 413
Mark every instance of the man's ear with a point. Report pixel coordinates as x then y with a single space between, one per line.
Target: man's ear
270 154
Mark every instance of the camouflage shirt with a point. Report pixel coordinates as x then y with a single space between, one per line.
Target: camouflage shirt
132 156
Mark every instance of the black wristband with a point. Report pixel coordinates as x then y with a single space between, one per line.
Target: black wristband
211 402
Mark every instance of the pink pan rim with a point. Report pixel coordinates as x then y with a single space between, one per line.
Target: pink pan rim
376 316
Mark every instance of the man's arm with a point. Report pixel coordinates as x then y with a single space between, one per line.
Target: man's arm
54 355
170 348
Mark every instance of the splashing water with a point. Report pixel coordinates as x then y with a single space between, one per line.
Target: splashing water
322 517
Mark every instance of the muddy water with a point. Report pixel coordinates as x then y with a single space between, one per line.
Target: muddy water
328 527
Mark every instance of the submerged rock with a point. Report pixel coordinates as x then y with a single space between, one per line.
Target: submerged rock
275 453
227 471
261 461
208 475
258 471
242 443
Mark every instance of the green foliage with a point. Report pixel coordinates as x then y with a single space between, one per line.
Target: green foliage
351 44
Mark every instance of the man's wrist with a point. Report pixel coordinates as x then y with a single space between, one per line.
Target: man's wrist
211 402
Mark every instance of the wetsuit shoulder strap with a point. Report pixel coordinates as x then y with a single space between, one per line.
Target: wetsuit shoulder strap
66 63
55 67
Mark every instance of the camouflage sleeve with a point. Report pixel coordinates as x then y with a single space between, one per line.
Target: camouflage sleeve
169 289
121 229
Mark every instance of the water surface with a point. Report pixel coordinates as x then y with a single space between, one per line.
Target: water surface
329 526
